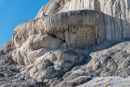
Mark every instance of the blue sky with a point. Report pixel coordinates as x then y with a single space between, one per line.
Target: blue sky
15 12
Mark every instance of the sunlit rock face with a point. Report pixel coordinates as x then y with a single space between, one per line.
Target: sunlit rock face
63 30
116 14
65 26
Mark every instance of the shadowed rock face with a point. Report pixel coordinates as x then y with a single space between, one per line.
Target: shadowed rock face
58 46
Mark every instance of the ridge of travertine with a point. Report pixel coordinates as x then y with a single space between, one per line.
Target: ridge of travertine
60 45
59 24
116 18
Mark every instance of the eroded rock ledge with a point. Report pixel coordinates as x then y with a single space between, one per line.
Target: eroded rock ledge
62 26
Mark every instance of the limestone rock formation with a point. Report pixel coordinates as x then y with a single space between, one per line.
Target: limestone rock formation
67 44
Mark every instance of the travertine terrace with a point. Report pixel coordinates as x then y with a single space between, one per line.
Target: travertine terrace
59 46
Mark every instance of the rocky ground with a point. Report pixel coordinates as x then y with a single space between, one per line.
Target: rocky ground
10 72
107 82
104 63
113 60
